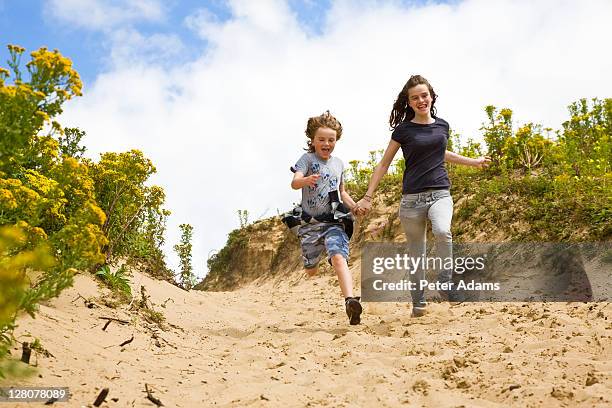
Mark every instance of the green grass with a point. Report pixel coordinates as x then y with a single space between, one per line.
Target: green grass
118 281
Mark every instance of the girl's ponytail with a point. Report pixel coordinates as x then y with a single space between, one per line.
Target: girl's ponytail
398 113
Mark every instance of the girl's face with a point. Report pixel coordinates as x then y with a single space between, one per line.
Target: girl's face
324 142
419 99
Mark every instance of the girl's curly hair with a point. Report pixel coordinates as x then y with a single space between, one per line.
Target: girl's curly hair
325 120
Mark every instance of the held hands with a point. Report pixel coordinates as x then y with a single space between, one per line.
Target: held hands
362 207
482 162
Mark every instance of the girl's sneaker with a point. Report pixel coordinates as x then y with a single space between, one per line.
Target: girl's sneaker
418 311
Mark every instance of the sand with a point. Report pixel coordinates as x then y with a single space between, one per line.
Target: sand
287 343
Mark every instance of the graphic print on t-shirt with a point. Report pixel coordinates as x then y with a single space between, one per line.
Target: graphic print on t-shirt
315 200
319 197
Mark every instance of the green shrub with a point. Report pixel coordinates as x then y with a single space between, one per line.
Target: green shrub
117 281
20 251
186 277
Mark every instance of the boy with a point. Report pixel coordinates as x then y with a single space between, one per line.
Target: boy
318 174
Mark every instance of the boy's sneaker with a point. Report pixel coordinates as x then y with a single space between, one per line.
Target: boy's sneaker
353 310
418 311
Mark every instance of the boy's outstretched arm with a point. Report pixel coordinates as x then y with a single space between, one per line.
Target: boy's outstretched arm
346 198
299 181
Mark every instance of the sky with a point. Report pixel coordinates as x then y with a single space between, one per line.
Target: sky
217 93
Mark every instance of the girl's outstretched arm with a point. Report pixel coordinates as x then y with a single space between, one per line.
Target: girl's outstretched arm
379 171
480 162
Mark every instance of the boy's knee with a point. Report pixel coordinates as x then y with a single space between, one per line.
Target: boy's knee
337 259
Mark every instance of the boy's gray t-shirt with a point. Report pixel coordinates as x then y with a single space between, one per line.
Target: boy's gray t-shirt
315 200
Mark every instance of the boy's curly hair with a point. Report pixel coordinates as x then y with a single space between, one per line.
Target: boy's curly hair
325 120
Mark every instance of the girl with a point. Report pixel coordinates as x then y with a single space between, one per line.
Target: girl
425 191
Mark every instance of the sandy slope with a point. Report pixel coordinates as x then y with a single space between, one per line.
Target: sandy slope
288 343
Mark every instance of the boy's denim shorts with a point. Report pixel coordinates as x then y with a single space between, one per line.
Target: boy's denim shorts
315 238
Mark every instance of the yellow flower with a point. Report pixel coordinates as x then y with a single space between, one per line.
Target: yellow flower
15 48
7 200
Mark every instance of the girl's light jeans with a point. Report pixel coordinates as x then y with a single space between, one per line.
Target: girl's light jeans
415 209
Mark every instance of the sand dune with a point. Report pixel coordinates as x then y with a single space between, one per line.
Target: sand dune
288 343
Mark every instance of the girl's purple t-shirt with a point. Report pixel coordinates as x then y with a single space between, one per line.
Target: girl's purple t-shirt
424 147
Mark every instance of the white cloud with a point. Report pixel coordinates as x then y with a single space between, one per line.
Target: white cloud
130 47
202 22
104 14
224 129
116 19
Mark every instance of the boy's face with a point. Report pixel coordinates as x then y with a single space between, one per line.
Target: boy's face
324 142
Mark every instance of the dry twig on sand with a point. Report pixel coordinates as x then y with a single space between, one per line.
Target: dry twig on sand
151 398
101 397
